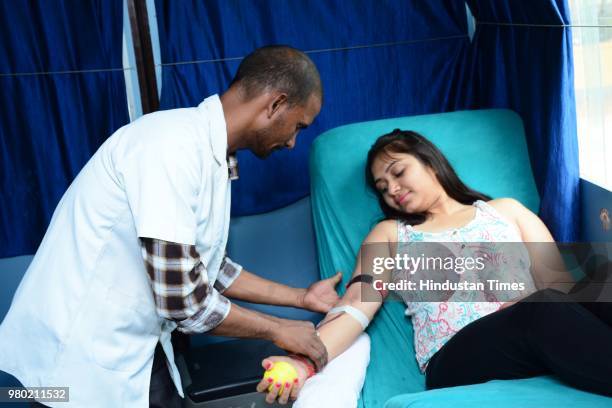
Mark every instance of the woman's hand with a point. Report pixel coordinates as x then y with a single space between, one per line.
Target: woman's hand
289 389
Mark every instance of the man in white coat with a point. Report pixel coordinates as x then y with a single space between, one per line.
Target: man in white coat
136 246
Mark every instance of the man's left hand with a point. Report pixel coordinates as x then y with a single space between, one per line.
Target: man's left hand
321 296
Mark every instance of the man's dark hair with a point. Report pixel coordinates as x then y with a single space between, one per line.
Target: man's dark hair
281 68
409 142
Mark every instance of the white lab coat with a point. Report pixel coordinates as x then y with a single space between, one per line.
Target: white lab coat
84 315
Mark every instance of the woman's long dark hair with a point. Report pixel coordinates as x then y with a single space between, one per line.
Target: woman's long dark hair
409 142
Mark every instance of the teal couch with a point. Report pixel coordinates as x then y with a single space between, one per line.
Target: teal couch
488 150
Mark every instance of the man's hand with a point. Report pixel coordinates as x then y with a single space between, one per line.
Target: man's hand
321 296
300 337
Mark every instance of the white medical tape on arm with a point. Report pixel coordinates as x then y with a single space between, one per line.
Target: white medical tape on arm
354 313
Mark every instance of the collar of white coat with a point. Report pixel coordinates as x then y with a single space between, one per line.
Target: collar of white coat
213 110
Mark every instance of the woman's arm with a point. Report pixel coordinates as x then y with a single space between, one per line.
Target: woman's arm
548 268
339 330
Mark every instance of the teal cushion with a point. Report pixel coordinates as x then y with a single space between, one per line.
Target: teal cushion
487 148
535 392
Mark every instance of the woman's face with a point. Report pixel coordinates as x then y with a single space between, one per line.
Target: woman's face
405 183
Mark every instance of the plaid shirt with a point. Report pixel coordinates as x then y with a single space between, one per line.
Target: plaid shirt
181 288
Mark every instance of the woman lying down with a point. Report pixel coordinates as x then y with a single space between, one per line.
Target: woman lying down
456 343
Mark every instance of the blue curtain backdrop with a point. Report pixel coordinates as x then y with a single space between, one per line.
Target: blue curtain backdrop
62 94
63 89
377 59
521 59
383 59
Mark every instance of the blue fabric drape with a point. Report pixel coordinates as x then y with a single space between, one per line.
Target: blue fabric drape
377 59
521 59
385 59
63 94
63 89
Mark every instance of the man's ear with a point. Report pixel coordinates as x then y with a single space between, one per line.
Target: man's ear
277 102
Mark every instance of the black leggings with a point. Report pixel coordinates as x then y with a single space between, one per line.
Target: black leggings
558 336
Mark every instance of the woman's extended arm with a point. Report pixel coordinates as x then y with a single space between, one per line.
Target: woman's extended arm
339 330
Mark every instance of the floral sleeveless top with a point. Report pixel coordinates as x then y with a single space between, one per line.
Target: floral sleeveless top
435 322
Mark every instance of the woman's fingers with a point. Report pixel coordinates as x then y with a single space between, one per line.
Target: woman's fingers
267 364
264 384
273 384
295 390
286 392
271 395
